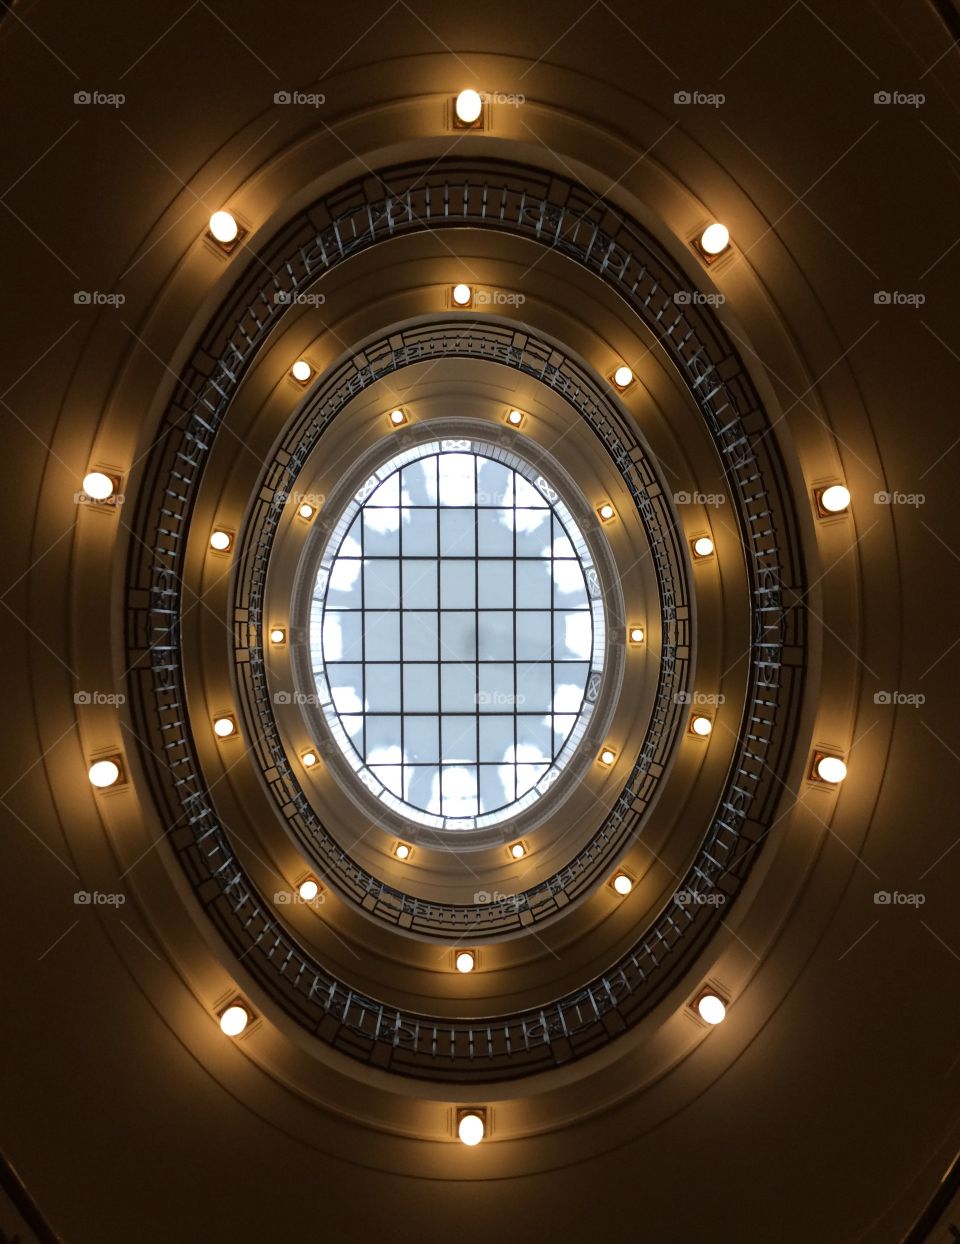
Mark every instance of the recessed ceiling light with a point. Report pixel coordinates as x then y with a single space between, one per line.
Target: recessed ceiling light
104 773
471 1128
224 228
401 851
306 511
224 727
234 1019
515 418
308 889
462 295
715 238
397 417
220 540
834 499
623 377
607 756
711 1008
622 883
278 635
703 546
469 105
466 961
301 371
98 486
607 512
636 634
701 726
309 759
518 851
831 769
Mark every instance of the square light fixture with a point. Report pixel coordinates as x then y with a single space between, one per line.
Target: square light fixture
467 110
832 500
712 242
225 231
221 540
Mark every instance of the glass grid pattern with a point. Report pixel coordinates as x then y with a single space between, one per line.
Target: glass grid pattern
457 634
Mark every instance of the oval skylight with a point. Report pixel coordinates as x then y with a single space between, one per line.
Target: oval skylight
457 634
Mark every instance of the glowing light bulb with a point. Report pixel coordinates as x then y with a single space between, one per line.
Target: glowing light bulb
462 295
301 371
835 499
701 726
470 1129
223 727
466 961
715 238
397 417
97 486
623 376
515 417
518 851
711 1008
469 106
703 546
402 851
607 757
622 883
831 769
224 227
220 540
234 1019
309 759
103 773
607 512
306 511
308 890
636 634
278 635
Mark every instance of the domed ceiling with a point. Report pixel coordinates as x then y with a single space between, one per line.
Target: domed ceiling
480 614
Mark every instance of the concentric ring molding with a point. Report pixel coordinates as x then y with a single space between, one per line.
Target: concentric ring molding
523 351
596 236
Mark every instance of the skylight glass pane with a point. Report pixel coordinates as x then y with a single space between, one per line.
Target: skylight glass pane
453 634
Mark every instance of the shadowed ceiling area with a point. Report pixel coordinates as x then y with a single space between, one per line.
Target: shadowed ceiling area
479 602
